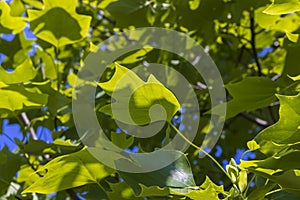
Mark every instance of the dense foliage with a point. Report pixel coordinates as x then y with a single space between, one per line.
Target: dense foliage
254 43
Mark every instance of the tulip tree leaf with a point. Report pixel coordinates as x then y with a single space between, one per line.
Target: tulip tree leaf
208 190
134 98
17 98
27 175
58 23
278 169
274 164
68 171
285 133
286 130
281 142
153 191
248 95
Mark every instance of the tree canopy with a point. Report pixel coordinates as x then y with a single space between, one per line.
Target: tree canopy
90 88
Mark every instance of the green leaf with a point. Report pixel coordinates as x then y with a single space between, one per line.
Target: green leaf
92 192
18 98
153 191
136 56
17 8
136 101
27 175
288 180
9 165
283 136
129 12
49 26
69 171
282 195
15 50
248 95
286 130
264 20
122 191
274 164
23 73
56 99
9 23
177 176
279 7
208 190
260 192
49 68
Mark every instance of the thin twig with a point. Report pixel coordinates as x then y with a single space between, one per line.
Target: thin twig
274 191
200 149
111 21
271 114
256 120
27 123
253 43
240 56
72 194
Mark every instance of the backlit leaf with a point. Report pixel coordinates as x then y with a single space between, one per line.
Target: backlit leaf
17 98
279 7
10 23
135 98
23 73
69 171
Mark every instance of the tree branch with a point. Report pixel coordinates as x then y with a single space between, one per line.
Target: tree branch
240 56
72 194
27 123
253 43
256 120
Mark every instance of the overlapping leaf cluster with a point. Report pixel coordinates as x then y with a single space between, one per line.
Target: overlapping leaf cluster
255 44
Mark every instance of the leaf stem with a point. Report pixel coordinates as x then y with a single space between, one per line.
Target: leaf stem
274 191
200 149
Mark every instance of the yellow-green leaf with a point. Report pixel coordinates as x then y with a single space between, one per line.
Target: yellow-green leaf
23 73
136 101
9 23
279 7
69 171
